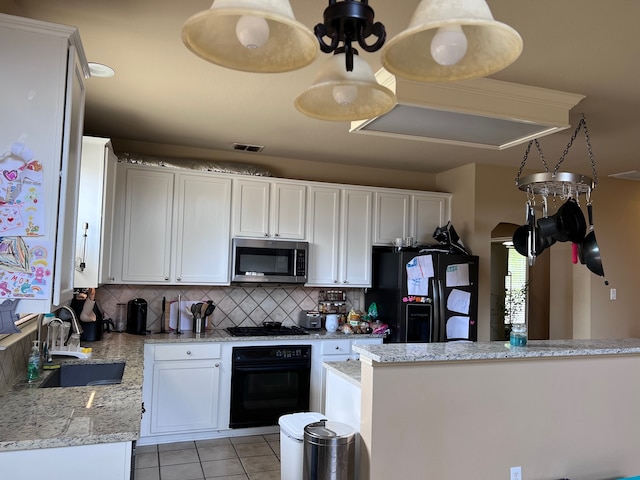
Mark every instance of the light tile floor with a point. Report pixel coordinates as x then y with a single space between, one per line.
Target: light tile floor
237 458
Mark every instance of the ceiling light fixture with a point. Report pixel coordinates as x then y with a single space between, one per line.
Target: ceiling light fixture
446 40
449 40
259 36
345 88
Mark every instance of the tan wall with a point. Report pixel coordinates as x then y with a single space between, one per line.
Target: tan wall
556 418
616 212
295 169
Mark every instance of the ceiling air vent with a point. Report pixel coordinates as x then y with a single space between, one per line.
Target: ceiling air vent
481 113
243 147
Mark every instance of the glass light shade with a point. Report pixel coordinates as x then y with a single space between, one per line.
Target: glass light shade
332 97
211 35
449 45
491 45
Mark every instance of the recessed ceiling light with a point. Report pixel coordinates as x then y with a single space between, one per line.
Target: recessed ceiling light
100 70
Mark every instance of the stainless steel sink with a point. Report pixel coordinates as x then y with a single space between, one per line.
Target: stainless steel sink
77 375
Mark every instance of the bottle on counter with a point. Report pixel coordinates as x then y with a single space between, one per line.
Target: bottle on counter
33 367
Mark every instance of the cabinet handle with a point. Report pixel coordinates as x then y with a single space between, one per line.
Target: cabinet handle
266 234
217 365
337 348
188 352
179 278
335 281
276 234
345 281
166 278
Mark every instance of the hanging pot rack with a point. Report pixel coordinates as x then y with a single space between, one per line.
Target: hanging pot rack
556 183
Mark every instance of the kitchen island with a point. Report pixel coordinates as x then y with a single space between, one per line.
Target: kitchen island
558 409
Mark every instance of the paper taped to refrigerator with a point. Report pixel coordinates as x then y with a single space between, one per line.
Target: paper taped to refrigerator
458 327
419 271
457 275
459 301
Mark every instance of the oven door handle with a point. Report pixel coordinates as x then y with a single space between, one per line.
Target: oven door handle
272 367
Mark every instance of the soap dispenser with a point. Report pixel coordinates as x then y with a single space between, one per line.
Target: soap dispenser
33 368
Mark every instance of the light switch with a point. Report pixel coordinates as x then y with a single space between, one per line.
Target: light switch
612 294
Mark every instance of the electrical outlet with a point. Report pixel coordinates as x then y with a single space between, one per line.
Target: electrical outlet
516 473
612 294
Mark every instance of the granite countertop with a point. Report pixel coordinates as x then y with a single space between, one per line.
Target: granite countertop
32 417
221 335
350 371
447 352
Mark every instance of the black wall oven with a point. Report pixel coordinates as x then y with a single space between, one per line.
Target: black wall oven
268 382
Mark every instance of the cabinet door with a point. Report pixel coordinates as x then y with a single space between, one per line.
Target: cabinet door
251 208
355 250
390 217
64 267
185 396
95 211
108 198
203 224
288 211
428 212
147 230
323 235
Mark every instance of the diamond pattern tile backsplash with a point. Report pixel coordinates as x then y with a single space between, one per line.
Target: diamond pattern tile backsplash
235 306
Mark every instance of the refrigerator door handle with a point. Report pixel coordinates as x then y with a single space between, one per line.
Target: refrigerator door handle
435 311
438 332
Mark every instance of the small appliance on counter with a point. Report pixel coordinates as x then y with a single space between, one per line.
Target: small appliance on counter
91 328
137 316
310 320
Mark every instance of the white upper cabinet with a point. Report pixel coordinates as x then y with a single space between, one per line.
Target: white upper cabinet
176 227
148 223
269 209
41 125
324 236
401 214
428 212
95 213
390 217
355 237
339 237
203 221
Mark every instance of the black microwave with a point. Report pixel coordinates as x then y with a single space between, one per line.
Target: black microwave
269 261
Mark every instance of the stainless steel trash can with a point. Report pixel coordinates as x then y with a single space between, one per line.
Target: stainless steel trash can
329 451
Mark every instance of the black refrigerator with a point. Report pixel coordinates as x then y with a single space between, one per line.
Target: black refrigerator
425 297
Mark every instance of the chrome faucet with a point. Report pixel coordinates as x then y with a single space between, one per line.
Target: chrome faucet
75 325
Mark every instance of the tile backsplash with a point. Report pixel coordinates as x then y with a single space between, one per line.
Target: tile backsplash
235 306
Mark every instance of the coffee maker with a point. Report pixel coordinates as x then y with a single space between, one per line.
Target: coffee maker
137 316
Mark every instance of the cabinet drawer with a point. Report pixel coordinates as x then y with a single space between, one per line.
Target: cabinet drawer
336 347
187 351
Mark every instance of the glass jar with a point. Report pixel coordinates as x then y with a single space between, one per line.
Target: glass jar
518 336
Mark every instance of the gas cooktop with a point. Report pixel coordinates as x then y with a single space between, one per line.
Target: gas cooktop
268 331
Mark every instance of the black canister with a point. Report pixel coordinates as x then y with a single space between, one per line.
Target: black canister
137 316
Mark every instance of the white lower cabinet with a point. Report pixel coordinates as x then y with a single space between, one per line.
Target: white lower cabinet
187 386
181 388
103 461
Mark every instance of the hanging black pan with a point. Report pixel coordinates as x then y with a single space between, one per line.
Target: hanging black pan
588 249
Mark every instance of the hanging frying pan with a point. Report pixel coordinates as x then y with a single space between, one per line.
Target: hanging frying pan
588 249
571 224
